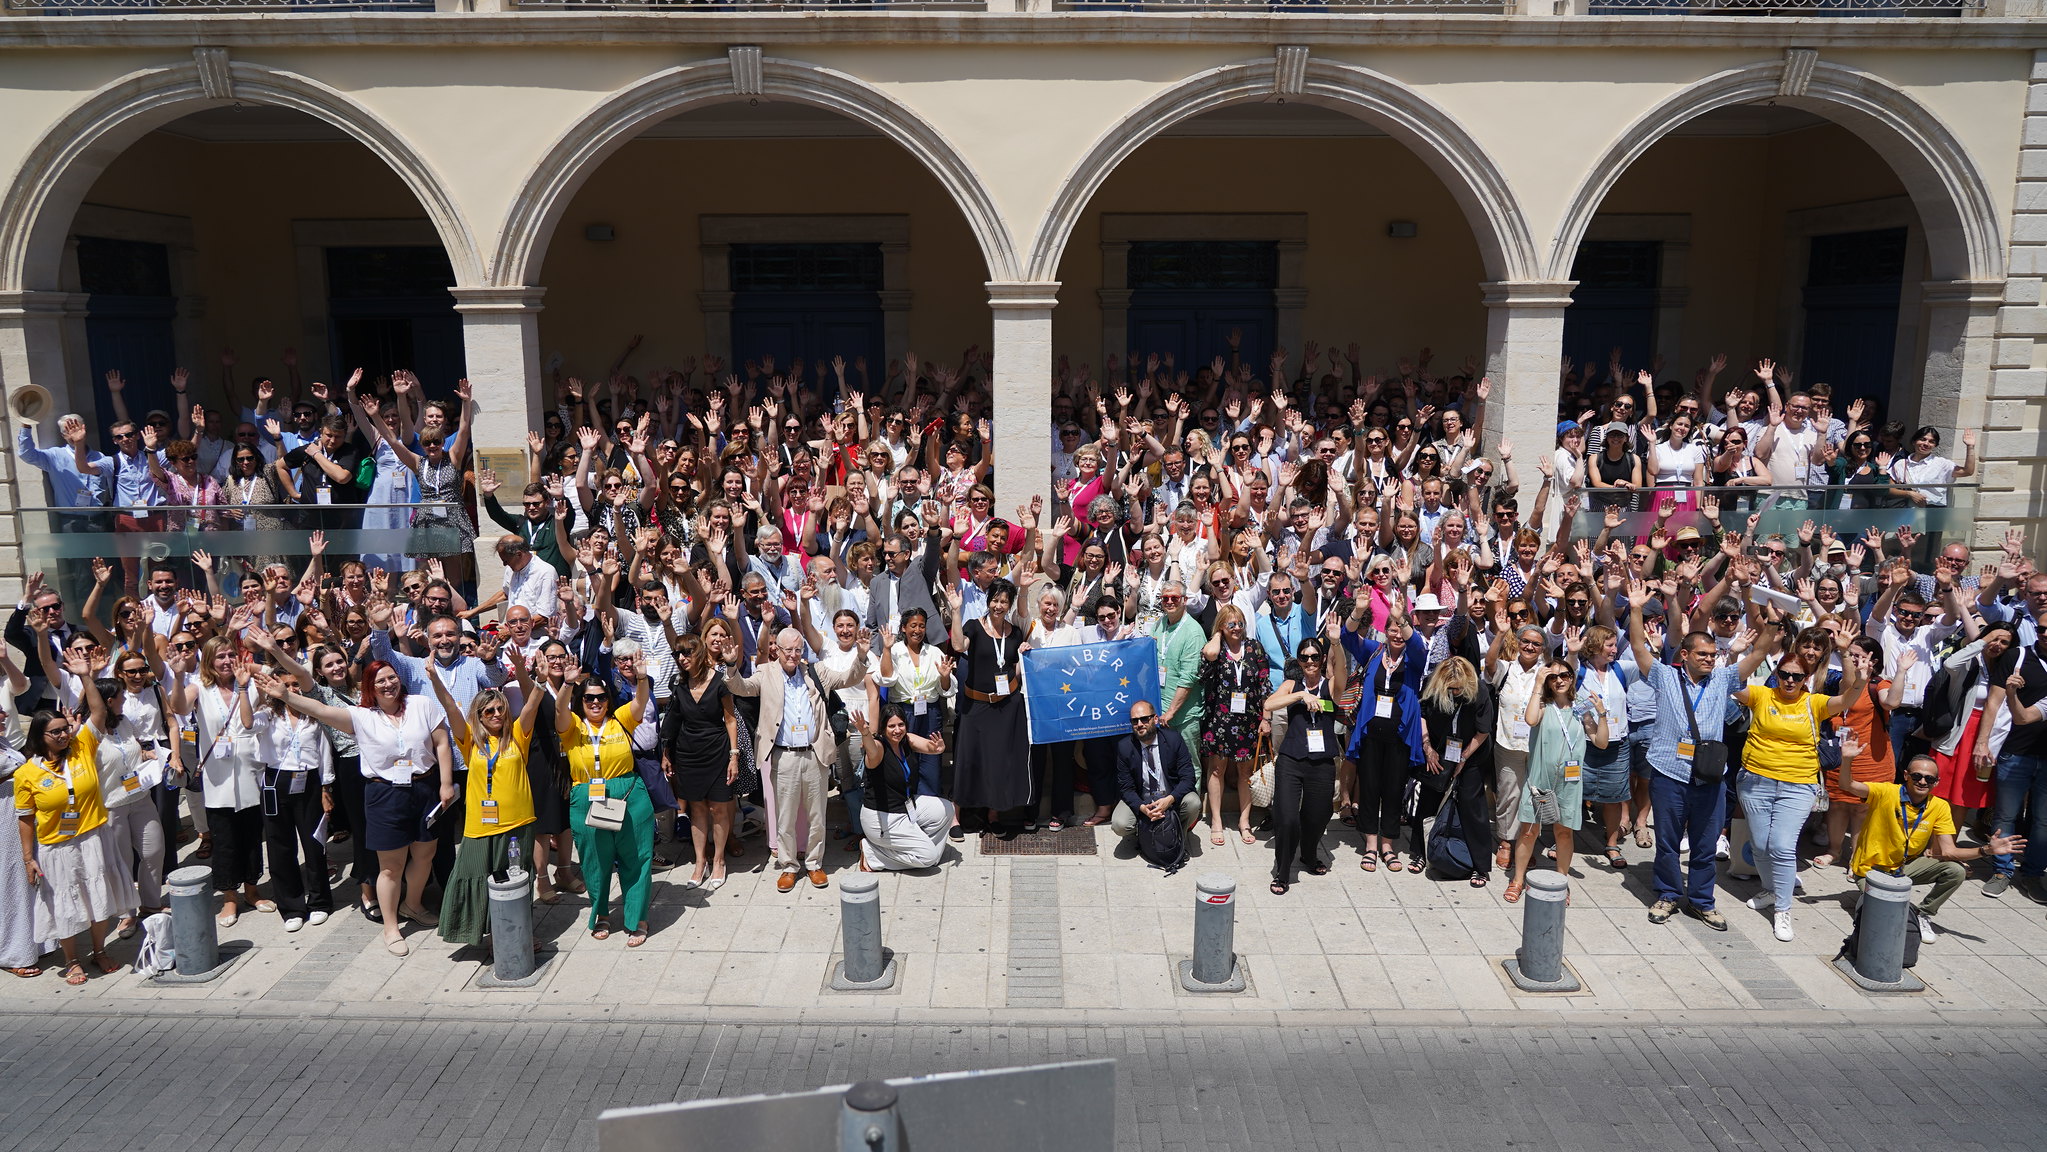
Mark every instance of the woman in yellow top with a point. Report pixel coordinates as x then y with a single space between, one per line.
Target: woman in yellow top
1780 768
81 882
598 743
498 800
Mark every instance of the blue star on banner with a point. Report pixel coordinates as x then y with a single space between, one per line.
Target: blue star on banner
1086 690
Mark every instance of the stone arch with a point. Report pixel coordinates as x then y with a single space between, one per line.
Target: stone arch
1960 219
36 213
531 221
1470 175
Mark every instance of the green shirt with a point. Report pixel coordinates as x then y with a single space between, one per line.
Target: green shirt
1180 660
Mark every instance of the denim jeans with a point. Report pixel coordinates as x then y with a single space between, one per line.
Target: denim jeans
1694 810
1776 815
2017 777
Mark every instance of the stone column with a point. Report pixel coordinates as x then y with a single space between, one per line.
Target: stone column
1960 321
1022 390
1524 351
501 347
2010 454
34 334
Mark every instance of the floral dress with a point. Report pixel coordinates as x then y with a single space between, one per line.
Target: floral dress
441 531
1226 731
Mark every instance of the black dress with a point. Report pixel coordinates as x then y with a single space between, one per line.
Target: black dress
547 772
992 768
698 748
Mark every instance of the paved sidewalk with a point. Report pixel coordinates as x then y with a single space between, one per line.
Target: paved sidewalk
1093 939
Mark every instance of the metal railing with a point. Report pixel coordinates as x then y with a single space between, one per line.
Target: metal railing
1757 8
132 7
1848 510
67 538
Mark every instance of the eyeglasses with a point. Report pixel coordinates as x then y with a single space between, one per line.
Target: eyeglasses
1926 778
1172 599
1726 615
182 458
1577 603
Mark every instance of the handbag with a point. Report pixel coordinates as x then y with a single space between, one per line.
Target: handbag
1709 757
1264 776
607 814
1547 810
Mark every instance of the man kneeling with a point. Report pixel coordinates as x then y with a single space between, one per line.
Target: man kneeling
1910 832
1155 774
900 829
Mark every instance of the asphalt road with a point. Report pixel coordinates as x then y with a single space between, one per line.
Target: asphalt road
158 1082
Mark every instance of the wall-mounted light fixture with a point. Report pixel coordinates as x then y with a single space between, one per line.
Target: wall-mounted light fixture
599 233
1403 229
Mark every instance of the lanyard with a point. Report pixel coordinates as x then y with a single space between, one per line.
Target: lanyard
1914 825
490 764
1001 658
64 774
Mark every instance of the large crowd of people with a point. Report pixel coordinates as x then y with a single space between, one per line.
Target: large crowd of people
728 596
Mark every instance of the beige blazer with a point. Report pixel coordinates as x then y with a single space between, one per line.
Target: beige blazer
767 681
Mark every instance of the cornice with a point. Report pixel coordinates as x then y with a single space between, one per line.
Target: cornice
639 29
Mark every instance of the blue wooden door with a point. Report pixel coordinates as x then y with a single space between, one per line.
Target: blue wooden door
1851 313
128 317
389 308
1187 296
1614 304
816 301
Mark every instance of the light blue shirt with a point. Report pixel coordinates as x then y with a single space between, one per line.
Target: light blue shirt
1280 636
69 487
796 717
973 601
1674 689
466 677
134 487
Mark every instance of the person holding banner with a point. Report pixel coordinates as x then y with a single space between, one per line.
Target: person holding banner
1234 687
1052 764
1304 773
901 827
991 769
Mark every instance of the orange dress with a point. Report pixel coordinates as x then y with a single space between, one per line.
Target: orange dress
1872 727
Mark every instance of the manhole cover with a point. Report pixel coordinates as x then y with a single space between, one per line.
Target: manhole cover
1065 842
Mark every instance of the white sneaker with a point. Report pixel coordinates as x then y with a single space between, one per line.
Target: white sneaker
294 924
1784 925
1684 847
1722 852
1926 929
1762 900
316 918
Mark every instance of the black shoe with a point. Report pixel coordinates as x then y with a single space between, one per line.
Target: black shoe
2032 888
957 835
371 913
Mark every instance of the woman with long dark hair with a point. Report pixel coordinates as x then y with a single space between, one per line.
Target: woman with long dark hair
700 742
1304 771
1457 707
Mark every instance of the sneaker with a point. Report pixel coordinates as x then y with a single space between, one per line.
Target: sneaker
294 924
1710 917
1997 885
1926 929
316 918
1661 911
1784 925
1762 900
2032 888
1722 852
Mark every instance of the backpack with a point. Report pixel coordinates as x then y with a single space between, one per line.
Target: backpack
1854 940
1161 842
1449 853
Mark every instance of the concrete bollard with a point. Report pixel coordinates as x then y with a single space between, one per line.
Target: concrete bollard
195 938
193 931
1538 966
867 967
513 964
1214 967
1879 961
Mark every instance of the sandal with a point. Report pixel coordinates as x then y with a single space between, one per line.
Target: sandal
1369 862
106 963
28 973
1279 889
74 974
205 850
1215 838
1417 865
1248 838
1318 869
734 848
636 937
1614 859
1503 857
1513 893
601 932
1479 879
1642 839
1055 824
1392 860
1823 860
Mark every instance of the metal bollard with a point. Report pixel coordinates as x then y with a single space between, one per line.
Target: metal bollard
1538 966
193 932
868 967
868 1121
1214 967
513 964
1879 961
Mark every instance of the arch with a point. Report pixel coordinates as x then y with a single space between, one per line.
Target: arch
1469 174
35 216
605 129
1962 234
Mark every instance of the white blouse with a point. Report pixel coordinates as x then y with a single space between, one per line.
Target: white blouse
395 751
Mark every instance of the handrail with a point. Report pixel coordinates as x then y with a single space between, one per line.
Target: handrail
1780 509
202 509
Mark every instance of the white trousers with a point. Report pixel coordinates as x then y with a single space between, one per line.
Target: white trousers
899 841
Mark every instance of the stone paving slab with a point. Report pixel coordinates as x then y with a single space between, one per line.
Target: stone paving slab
1089 939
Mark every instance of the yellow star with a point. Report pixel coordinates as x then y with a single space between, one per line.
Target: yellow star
1123 682
1066 687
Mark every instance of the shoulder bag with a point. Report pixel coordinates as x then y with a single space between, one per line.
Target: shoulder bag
1709 757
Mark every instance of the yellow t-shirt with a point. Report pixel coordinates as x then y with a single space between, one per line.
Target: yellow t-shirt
1784 738
611 749
39 789
505 786
1881 843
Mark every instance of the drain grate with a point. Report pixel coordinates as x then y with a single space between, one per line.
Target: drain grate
1065 842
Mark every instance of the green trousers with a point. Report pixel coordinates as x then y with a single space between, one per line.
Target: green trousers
1945 876
629 851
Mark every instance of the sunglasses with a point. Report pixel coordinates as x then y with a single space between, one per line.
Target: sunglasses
1922 778
1784 677
1310 657
594 699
